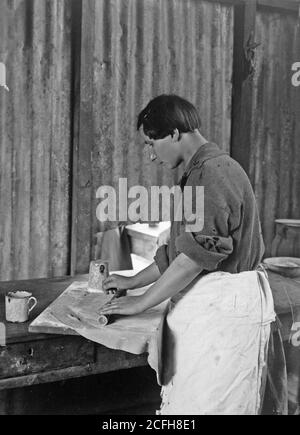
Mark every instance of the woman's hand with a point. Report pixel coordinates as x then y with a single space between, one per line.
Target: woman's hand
118 282
127 305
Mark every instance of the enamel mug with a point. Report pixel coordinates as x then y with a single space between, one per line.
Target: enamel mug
99 270
17 306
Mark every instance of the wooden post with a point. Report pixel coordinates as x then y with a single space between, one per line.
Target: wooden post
76 60
243 70
81 225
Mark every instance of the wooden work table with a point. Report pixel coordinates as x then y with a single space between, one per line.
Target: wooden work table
33 358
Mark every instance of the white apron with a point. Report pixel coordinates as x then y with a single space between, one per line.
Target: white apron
216 347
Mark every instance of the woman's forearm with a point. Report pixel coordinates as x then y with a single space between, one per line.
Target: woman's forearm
179 275
147 276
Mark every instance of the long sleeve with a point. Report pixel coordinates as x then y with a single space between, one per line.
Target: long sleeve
213 243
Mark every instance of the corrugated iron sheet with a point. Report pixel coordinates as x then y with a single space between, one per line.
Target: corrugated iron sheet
35 142
275 154
139 49
142 48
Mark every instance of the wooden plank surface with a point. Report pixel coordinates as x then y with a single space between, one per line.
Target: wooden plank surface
26 363
48 322
77 307
90 395
45 355
111 363
25 345
45 290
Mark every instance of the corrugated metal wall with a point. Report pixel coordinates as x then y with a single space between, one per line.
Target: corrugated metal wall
140 49
275 155
143 48
131 51
35 142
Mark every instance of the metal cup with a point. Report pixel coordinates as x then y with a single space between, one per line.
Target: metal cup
99 270
17 306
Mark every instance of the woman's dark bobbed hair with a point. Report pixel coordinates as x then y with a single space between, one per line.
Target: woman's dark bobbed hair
165 113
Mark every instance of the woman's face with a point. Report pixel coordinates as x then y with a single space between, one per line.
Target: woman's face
165 151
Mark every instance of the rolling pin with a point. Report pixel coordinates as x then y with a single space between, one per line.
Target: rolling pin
105 319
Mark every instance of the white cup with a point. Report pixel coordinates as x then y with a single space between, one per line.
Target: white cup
17 307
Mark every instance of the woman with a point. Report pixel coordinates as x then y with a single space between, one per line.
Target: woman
208 274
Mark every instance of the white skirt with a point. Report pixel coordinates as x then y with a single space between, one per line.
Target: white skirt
218 333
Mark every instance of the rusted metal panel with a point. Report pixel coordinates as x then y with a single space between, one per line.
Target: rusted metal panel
135 50
35 46
275 123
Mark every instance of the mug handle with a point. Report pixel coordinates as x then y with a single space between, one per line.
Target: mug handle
32 298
